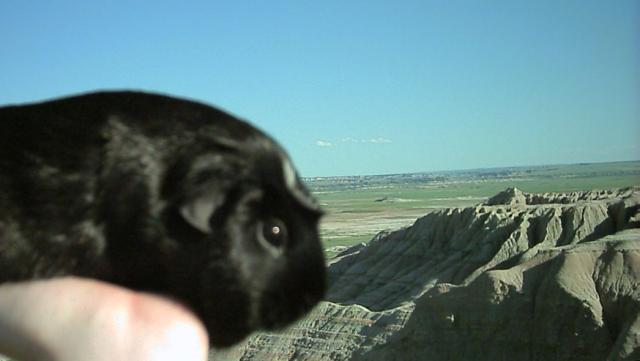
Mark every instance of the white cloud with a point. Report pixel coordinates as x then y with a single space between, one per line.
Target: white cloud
350 140
322 143
378 140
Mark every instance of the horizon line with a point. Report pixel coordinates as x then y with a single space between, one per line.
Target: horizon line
471 169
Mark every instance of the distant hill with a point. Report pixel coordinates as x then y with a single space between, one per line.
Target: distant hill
567 171
522 276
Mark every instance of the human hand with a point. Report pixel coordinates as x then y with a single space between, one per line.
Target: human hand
69 319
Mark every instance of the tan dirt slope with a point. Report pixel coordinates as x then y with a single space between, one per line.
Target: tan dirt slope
520 277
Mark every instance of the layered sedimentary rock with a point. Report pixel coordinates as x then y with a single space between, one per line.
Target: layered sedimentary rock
520 277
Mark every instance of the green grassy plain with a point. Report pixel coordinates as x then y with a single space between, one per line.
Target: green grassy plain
363 207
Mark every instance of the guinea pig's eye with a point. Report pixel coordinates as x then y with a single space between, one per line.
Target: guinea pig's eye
272 234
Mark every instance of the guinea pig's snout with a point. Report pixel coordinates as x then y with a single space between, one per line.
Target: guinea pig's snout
310 298
278 315
308 301
293 296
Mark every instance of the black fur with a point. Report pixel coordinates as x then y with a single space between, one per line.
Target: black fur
94 185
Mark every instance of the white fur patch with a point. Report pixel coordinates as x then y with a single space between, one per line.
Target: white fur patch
289 173
293 185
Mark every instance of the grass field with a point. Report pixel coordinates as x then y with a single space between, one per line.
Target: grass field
359 207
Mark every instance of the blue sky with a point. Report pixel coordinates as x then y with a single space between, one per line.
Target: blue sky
358 87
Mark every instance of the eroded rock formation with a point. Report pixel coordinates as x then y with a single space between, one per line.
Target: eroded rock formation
520 277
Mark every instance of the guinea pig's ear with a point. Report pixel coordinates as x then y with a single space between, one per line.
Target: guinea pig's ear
197 212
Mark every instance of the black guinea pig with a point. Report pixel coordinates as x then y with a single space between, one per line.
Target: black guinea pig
163 195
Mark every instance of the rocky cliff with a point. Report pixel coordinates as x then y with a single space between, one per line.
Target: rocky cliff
520 277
